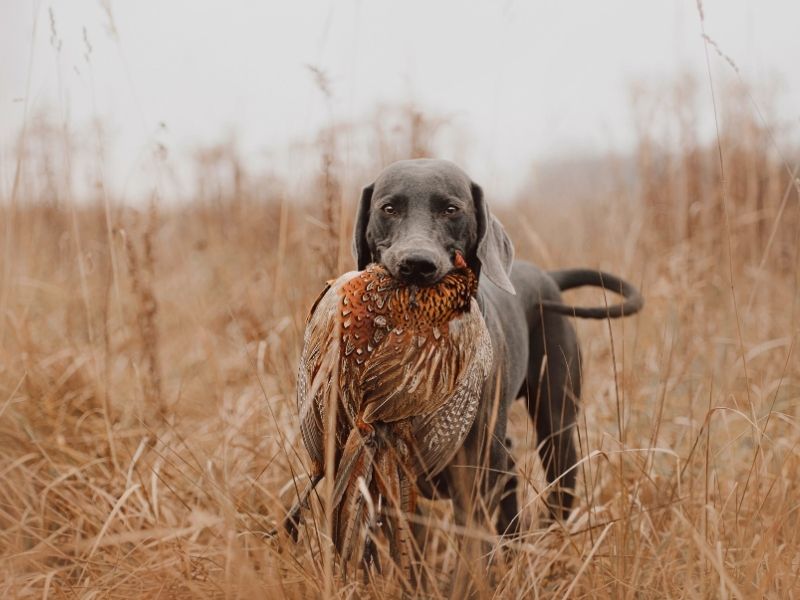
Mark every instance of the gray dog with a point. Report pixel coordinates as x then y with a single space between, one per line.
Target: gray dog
413 219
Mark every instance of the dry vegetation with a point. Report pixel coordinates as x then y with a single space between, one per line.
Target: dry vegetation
147 418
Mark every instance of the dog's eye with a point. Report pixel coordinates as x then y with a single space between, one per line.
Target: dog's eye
389 209
451 209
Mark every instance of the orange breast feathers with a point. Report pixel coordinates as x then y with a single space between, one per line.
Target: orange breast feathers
388 333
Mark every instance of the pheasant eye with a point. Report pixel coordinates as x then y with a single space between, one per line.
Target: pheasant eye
389 209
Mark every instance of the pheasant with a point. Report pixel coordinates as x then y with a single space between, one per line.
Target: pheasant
403 366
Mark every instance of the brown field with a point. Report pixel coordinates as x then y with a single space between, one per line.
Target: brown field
148 430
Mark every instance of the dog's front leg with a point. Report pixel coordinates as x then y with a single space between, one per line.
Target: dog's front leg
476 478
465 483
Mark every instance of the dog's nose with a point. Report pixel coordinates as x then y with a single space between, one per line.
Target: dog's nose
417 268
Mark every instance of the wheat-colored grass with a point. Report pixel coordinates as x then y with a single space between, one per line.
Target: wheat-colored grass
148 431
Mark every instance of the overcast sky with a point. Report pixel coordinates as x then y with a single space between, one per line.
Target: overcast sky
527 80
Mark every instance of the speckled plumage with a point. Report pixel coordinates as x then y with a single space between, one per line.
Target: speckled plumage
407 365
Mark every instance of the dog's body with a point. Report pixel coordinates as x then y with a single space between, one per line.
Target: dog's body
413 219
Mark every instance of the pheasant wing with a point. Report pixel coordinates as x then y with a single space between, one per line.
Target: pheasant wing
319 362
408 375
411 376
439 434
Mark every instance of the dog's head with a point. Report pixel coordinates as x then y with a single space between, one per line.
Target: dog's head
418 214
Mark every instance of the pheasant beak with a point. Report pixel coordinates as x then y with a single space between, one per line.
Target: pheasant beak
458 261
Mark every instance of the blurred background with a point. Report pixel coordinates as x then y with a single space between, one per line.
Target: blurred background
508 87
178 180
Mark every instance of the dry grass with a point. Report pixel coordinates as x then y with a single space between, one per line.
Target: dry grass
147 415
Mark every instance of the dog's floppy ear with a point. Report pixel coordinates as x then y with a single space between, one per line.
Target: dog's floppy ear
361 251
495 252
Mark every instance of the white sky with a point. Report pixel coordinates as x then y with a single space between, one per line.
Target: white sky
528 80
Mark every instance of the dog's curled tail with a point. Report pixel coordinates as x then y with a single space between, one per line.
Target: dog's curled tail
568 279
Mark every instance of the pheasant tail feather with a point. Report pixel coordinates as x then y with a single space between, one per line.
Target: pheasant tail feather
350 492
398 491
